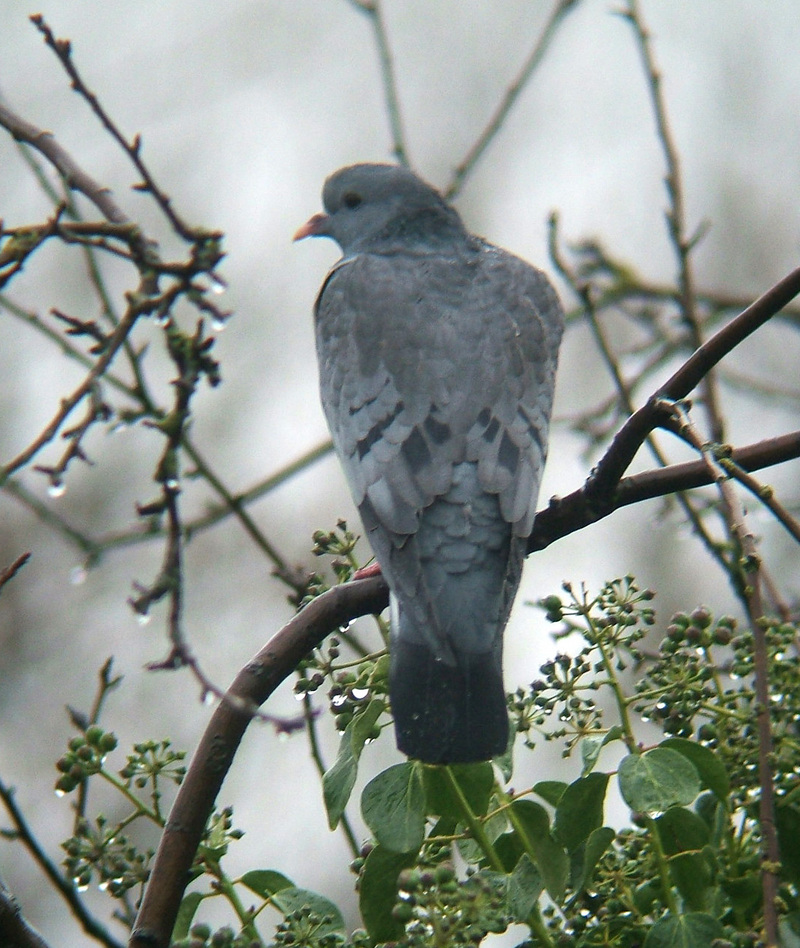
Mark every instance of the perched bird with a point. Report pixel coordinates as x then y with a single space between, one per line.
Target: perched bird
437 356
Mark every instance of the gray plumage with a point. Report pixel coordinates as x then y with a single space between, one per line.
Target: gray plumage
437 355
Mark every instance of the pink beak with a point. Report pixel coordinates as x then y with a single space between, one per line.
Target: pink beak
312 228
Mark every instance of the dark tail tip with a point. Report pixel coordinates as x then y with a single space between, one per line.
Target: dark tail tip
447 714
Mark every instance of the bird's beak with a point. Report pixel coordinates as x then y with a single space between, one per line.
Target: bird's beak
314 227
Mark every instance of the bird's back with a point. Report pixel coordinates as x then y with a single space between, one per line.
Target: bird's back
436 376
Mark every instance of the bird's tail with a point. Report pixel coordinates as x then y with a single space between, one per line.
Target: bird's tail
447 712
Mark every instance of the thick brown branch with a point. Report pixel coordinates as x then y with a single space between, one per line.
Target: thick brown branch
14 930
254 684
566 515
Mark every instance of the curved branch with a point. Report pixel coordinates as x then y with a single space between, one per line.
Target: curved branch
14 930
214 755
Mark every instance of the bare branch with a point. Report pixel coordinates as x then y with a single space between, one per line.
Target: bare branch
630 437
9 572
63 50
536 55
44 142
373 10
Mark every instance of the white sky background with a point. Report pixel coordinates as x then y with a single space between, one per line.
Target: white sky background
244 108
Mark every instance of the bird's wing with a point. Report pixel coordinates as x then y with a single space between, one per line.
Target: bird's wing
427 361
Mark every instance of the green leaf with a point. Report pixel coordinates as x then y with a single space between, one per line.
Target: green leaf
693 875
292 899
550 790
657 779
186 913
525 885
339 780
580 810
378 892
362 724
593 744
712 771
598 842
474 780
266 882
681 830
695 930
393 807
532 824
744 891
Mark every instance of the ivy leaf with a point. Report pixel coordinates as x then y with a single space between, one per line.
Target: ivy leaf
292 899
693 875
712 771
593 744
694 930
681 830
378 892
654 781
525 885
533 824
550 790
393 807
474 780
338 781
587 856
580 810
186 913
266 882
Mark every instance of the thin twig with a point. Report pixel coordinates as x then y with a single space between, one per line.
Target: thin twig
765 494
44 142
374 11
9 572
63 886
115 341
747 574
512 93
630 437
584 291
676 216
63 50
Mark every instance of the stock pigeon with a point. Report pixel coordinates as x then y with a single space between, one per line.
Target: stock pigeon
437 356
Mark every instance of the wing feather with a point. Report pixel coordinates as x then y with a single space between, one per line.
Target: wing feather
428 361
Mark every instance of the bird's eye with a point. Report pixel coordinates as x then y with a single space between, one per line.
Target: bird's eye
351 199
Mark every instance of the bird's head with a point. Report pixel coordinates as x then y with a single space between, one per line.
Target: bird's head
375 207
